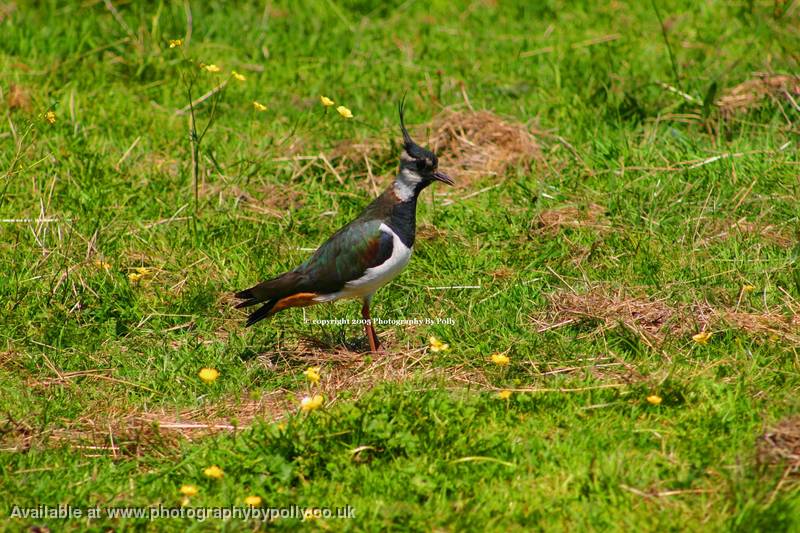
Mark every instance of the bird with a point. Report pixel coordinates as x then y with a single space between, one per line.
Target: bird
362 256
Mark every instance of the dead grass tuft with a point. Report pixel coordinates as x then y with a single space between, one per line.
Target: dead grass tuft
429 232
273 200
653 320
479 143
769 324
503 272
552 221
753 92
725 229
18 97
105 431
780 446
470 145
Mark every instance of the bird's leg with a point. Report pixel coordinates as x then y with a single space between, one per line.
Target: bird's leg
369 331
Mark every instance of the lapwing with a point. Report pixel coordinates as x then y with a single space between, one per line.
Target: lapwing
362 256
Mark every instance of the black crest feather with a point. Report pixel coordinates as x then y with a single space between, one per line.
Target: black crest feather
413 149
406 137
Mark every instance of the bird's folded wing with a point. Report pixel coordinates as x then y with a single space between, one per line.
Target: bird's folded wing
347 255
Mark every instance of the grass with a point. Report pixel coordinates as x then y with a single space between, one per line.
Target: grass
648 213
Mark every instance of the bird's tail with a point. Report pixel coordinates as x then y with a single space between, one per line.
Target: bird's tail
270 293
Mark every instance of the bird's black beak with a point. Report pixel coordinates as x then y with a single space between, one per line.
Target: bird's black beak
444 178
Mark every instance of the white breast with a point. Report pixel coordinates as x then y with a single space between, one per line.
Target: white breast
376 277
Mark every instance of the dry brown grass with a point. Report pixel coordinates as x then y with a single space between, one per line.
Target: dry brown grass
769 324
726 229
753 92
552 221
652 319
272 200
779 447
18 97
110 430
656 320
475 144
470 145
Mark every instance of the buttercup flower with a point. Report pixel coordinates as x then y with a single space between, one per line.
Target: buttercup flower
311 403
702 337
437 345
253 501
654 399
175 42
312 373
259 107
102 264
504 394
50 117
238 76
500 359
139 274
188 490
327 102
214 472
212 68
346 113
748 288
208 375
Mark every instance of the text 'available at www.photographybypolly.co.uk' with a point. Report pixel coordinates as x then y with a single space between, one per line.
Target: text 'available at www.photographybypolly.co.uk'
66 512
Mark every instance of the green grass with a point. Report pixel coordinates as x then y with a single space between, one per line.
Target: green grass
85 349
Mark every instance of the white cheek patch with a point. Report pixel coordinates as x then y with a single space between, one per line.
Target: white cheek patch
405 184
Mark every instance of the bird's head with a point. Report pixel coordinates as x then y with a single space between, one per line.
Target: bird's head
418 165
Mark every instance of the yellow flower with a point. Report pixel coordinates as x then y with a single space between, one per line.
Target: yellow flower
259 107
312 373
748 288
238 76
209 375
139 274
188 490
281 426
500 359
211 68
253 501
50 117
214 472
654 399
437 345
702 337
346 113
309 404
175 42
327 102
102 264
504 394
